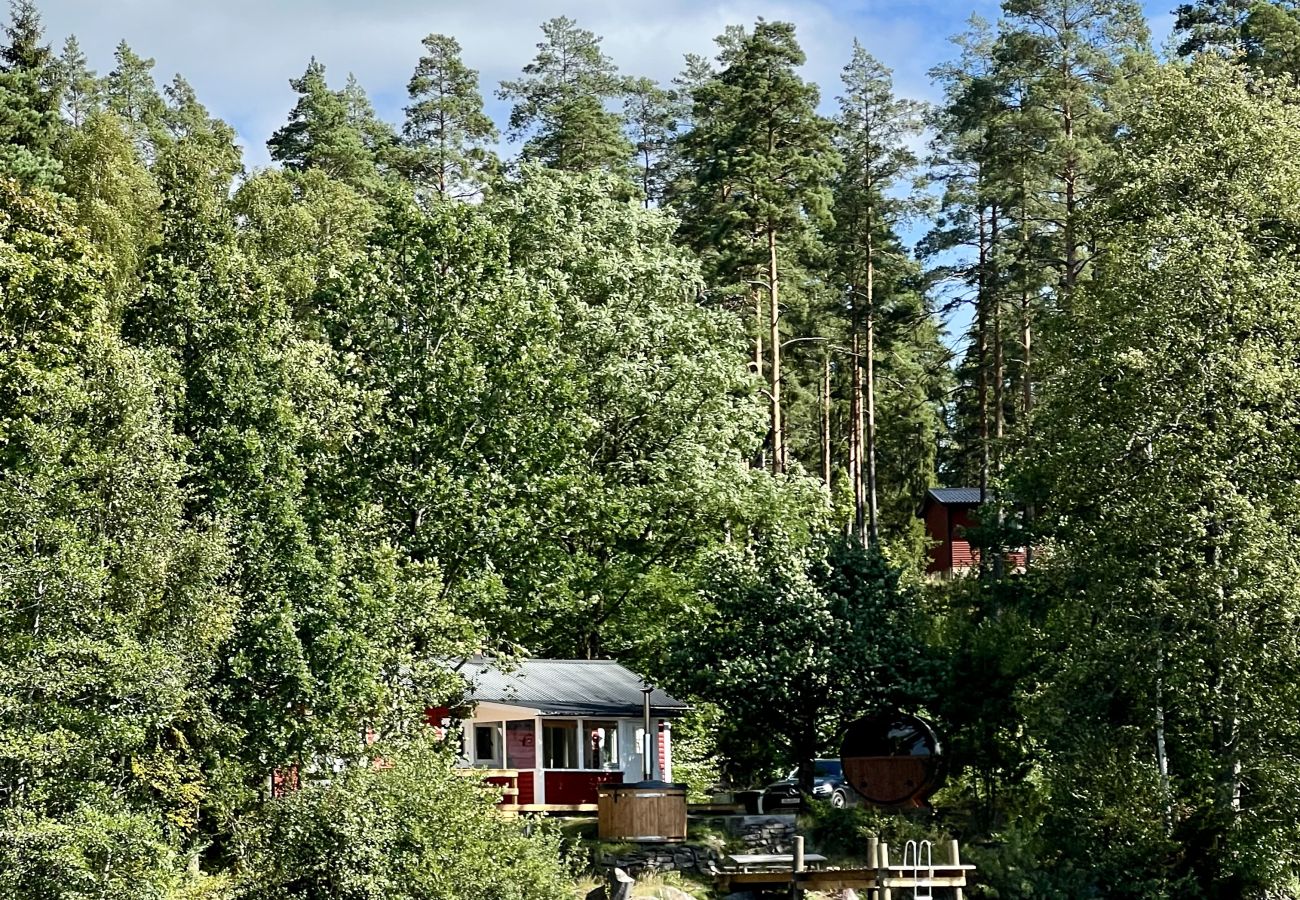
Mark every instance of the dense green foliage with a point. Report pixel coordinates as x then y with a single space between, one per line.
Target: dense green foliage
276 446
353 839
795 643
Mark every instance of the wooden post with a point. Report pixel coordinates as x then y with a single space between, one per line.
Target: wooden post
873 862
885 892
956 861
796 891
539 762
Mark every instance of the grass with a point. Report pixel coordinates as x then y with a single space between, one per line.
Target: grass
654 887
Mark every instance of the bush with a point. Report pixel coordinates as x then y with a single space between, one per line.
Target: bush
843 833
695 751
415 830
98 850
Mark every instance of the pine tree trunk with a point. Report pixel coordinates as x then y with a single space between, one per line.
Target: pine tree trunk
999 376
1162 756
982 353
774 340
1070 177
1026 343
873 512
857 462
999 358
760 323
826 420
1026 309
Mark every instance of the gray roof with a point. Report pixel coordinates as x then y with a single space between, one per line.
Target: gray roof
962 496
566 687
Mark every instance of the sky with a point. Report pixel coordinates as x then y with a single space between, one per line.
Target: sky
240 54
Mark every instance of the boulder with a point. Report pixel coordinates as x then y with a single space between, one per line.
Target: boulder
621 885
668 892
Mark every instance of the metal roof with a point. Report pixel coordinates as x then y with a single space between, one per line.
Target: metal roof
565 687
962 496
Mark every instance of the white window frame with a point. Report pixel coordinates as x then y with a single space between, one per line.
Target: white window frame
609 740
499 740
582 749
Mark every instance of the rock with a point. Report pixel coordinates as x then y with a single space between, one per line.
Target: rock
621 885
668 892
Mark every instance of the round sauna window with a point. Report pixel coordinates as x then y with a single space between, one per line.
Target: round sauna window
892 760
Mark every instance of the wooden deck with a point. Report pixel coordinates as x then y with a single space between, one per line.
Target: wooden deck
862 879
877 881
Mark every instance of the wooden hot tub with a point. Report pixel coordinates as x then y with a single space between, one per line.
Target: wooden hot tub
650 811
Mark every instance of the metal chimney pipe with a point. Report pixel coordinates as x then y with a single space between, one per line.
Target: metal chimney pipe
647 768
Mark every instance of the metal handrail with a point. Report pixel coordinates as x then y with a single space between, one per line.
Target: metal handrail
914 851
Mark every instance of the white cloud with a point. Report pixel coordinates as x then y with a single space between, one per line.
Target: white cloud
240 54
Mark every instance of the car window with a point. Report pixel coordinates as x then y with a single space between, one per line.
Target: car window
827 768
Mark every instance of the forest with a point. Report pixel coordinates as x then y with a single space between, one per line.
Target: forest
659 373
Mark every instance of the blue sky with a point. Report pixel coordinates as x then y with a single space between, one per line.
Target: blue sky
240 54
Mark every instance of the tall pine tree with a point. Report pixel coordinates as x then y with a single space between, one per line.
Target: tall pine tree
447 134
561 103
759 161
29 100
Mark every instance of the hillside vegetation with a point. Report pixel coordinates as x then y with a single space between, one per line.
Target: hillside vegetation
667 385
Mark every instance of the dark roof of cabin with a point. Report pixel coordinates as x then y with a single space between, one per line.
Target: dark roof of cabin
962 496
566 687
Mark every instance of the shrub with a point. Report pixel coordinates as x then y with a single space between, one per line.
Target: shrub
415 831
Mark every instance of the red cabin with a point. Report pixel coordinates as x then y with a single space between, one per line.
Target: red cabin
948 513
557 729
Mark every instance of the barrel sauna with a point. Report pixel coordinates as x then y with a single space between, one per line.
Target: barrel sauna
649 811
892 760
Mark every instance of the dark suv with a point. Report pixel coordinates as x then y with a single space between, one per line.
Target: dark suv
828 785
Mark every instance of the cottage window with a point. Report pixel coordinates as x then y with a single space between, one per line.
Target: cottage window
560 745
600 738
521 744
487 744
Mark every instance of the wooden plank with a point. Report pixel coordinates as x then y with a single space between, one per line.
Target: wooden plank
841 879
752 878
557 807
642 814
937 867
720 808
771 859
486 773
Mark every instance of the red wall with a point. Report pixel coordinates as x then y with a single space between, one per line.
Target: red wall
526 791
663 754
524 782
961 555
957 554
936 529
576 787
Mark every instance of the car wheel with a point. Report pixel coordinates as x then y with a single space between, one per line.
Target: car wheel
839 799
